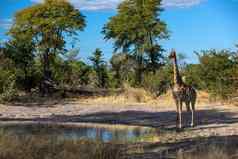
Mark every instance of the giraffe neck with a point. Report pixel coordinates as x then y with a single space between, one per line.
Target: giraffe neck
177 77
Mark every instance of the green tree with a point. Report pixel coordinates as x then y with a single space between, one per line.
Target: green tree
192 74
100 68
21 51
155 58
123 65
70 71
137 29
217 71
47 24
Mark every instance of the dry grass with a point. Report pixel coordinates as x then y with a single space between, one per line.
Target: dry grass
203 98
43 147
128 96
234 101
135 96
213 151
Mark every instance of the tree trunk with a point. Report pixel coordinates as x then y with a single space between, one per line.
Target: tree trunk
140 67
139 70
139 76
153 62
27 82
118 77
47 80
152 55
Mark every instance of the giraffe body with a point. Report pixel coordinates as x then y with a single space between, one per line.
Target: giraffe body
182 94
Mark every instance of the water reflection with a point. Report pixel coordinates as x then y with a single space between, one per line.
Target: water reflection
104 133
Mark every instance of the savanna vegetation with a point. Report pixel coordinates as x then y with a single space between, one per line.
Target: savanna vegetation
37 59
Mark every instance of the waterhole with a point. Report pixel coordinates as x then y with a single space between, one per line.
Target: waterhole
102 132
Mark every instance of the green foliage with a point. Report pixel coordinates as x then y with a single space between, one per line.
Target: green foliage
46 25
136 29
100 67
159 82
8 90
192 76
21 52
217 73
123 66
68 71
135 19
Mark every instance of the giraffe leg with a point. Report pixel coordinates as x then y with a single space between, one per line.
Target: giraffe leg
177 114
188 106
192 121
180 114
192 107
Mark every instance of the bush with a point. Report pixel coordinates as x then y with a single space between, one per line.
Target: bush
159 82
71 73
192 74
9 90
215 73
138 95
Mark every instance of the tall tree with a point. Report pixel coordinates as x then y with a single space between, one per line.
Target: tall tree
100 68
47 24
137 29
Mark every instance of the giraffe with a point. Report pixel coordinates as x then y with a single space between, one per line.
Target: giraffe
182 93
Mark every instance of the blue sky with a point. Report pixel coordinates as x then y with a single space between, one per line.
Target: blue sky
193 24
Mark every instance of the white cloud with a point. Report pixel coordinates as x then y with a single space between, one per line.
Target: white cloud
180 3
112 4
5 23
95 4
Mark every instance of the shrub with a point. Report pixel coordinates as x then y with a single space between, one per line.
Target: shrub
216 72
159 82
138 95
9 90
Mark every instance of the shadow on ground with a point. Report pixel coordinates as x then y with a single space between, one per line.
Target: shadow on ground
166 119
214 147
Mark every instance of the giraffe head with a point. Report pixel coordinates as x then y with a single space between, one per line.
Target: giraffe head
172 54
